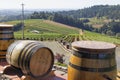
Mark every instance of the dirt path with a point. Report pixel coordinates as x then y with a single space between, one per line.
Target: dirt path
57 48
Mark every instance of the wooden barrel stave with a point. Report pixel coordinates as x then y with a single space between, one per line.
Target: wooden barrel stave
23 57
84 62
6 38
27 55
86 75
5 43
3 53
10 51
43 61
92 63
6 30
16 47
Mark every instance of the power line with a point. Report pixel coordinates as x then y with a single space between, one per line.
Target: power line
22 21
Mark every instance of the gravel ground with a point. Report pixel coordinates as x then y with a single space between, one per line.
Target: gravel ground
58 48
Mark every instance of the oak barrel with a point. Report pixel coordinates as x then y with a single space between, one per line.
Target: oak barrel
92 60
32 57
6 38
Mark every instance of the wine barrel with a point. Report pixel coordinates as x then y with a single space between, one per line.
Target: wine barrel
31 57
6 38
92 60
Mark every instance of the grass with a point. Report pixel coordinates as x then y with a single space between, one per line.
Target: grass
45 26
98 22
53 30
101 37
91 36
61 64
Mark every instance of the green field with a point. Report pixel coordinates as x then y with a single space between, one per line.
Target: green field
50 30
97 22
45 26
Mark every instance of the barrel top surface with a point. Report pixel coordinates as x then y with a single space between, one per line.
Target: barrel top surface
41 62
5 25
93 45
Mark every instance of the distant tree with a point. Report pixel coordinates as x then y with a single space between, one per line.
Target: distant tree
112 28
118 35
17 27
72 17
115 27
35 15
110 33
41 15
104 29
68 20
85 20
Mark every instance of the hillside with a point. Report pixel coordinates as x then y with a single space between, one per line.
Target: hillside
92 18
109 11
46 26
52 30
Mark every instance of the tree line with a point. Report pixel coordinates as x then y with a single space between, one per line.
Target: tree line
109 11
111 29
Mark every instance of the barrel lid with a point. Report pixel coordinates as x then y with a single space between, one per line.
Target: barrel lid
96 45
5 25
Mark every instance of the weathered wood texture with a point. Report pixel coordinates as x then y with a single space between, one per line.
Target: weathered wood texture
32 57
92 60
6 38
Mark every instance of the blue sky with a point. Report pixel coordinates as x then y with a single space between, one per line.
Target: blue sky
54 4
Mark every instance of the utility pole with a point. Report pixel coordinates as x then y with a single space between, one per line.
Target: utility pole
22 21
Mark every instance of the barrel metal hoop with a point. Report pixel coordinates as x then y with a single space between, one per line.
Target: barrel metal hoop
2 55
6 32
3 50
106 69
6 38
93 56
24 58
6 28
19 58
